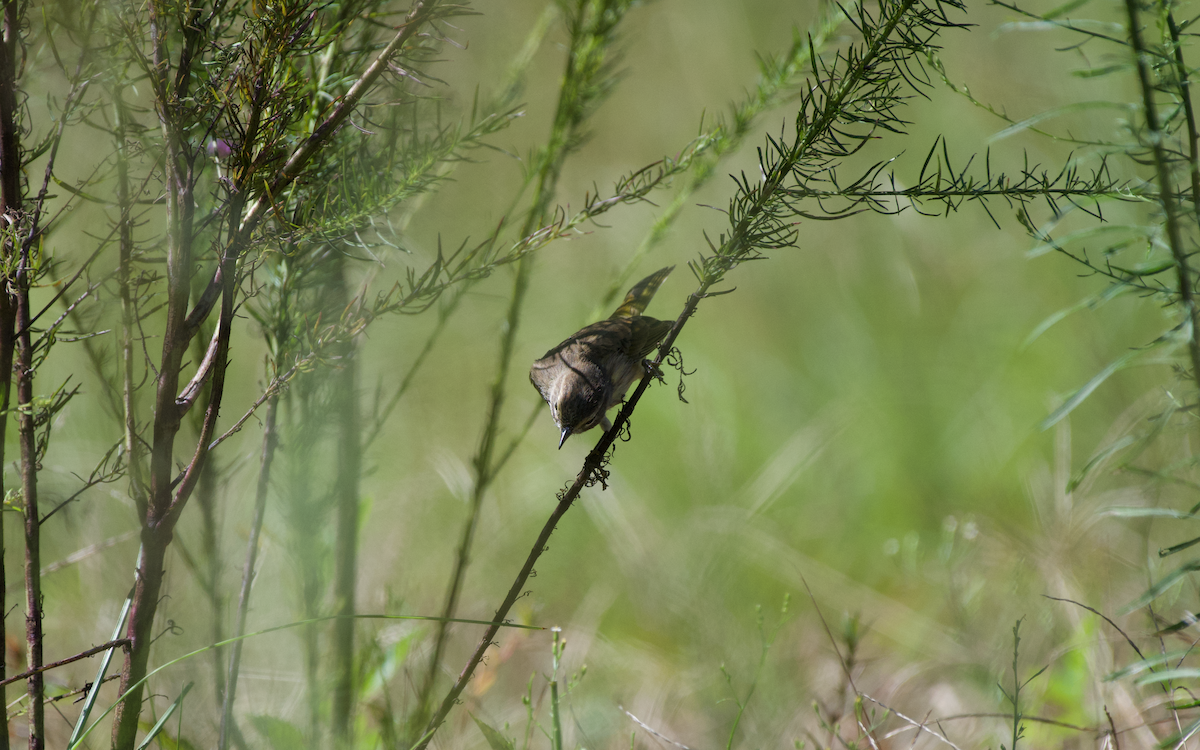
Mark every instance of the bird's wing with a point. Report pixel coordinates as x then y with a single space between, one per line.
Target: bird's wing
645 334
641 294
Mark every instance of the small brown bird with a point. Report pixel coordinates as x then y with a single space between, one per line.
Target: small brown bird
588 374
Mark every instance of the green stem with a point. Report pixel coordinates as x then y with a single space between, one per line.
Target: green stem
1162 172
593 21
270 441
593 467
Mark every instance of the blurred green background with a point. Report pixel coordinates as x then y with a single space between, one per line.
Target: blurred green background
863 416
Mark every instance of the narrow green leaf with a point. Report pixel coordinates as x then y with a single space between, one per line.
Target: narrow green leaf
279 734
1091 302
1170 339
1098 459
1134 512
1176 740
1097 72
1172 579
1165 552
1141 665
1067 109
1175 627
1078 397
163 720
1183 673
1136 230
89 702
374 680
1148 269
495 739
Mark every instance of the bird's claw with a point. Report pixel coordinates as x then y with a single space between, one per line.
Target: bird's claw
654 370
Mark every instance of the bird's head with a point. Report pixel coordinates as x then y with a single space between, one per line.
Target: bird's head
579 409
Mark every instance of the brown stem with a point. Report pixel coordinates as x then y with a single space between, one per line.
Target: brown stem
10 209
270 441
69 660
27 436
18 288
206 497
145 591
167 501
156 518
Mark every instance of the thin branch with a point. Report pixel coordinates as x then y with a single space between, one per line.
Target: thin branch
118 643
652 731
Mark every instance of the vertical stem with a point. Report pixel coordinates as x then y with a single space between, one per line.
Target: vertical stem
312 661
306 518
157 521
1185 96
485 472
206 499
1016 696
209 570
16 313
7 328
1183 273
588 39
27 433
145 591
346 495
270 440
133 446
555 714
10 206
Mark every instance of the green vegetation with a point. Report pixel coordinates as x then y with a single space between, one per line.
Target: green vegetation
275 270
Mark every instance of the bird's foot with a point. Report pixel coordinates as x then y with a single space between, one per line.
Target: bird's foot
653 369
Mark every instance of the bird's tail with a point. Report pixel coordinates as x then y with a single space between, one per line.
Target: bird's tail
641 294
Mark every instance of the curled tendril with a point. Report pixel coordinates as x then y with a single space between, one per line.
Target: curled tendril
626 433
172 628
599 474
674 359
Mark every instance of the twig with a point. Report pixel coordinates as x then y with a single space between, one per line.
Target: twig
274 387
270 440
88 551
120 642
649 729
1112 728
919 725
1104 617
841 661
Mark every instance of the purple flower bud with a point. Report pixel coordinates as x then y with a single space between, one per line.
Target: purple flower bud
219 148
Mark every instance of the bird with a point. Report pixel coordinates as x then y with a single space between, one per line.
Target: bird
588 373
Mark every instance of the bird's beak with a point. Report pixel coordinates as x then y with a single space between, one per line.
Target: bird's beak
566 433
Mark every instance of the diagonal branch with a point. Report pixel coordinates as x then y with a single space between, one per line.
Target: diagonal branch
422 11
757 224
